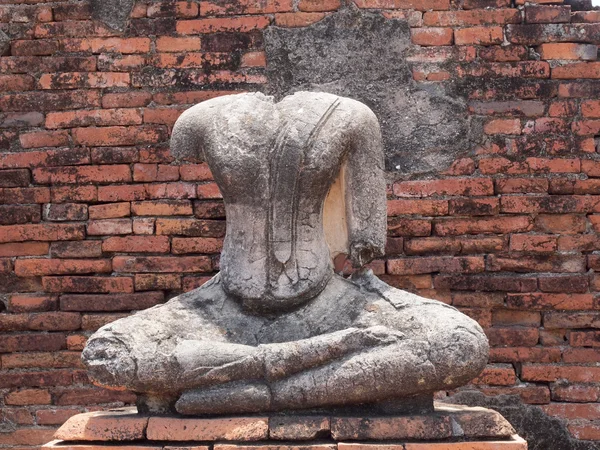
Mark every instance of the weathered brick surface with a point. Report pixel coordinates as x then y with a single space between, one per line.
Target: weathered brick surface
96 220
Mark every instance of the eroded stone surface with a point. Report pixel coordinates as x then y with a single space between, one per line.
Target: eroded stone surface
277 329
364 56
114 13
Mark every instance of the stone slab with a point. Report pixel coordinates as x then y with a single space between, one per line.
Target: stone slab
226 429
123 424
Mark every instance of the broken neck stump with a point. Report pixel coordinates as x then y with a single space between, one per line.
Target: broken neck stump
277 331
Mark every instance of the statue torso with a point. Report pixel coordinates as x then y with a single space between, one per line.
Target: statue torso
274 164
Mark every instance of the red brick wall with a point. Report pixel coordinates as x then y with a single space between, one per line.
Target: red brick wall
95 221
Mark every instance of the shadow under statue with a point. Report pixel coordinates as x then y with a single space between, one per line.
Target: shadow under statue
277 329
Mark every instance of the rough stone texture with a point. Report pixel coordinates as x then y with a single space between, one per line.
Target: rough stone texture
277 329
364 56
124 425
113 13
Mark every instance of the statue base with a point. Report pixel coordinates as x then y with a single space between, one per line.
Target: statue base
448 427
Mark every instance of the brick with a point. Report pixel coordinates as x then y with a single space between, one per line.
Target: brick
178 44
54 321
477 299
560 223
82 174
520 69
110 210
579 355
575 393
568 51
179 9
473 17
577 71
54 416
109 227
117 135
503 126
27 397
31 342
450 186
37 267
547 14
95 117
503 54
585 17
384 428
155 172
38 139
60 212
76 249
24 249
137 244
104 426
483 225
298 427
533 243
161 264
551 301
21 303
114 155
496 375
421 5
551 204
31 64
509 317
79 80
60 194
49 101
27 436
245 7
562 108
16 83
162 208
591 108
582 243
196 245
195 172
512 336
448 264
33 47
527 108
298 19
107 45
190 227
122 193
105 285
478 36
490 282
143 226
129 99
530 394
110 302
525 354
166 116
215 25
535 34
585 127
24 195
227 429
41 232
17 214
431 36
209 191
551 373
554 320
147 282
93 396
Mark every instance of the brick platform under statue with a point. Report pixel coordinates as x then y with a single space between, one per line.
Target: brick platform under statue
450 427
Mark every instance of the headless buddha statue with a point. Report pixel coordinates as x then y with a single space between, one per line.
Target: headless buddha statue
277 329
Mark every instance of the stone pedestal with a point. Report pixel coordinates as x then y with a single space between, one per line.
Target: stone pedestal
449 427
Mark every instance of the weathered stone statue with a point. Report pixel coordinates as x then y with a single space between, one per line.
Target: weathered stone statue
277 329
